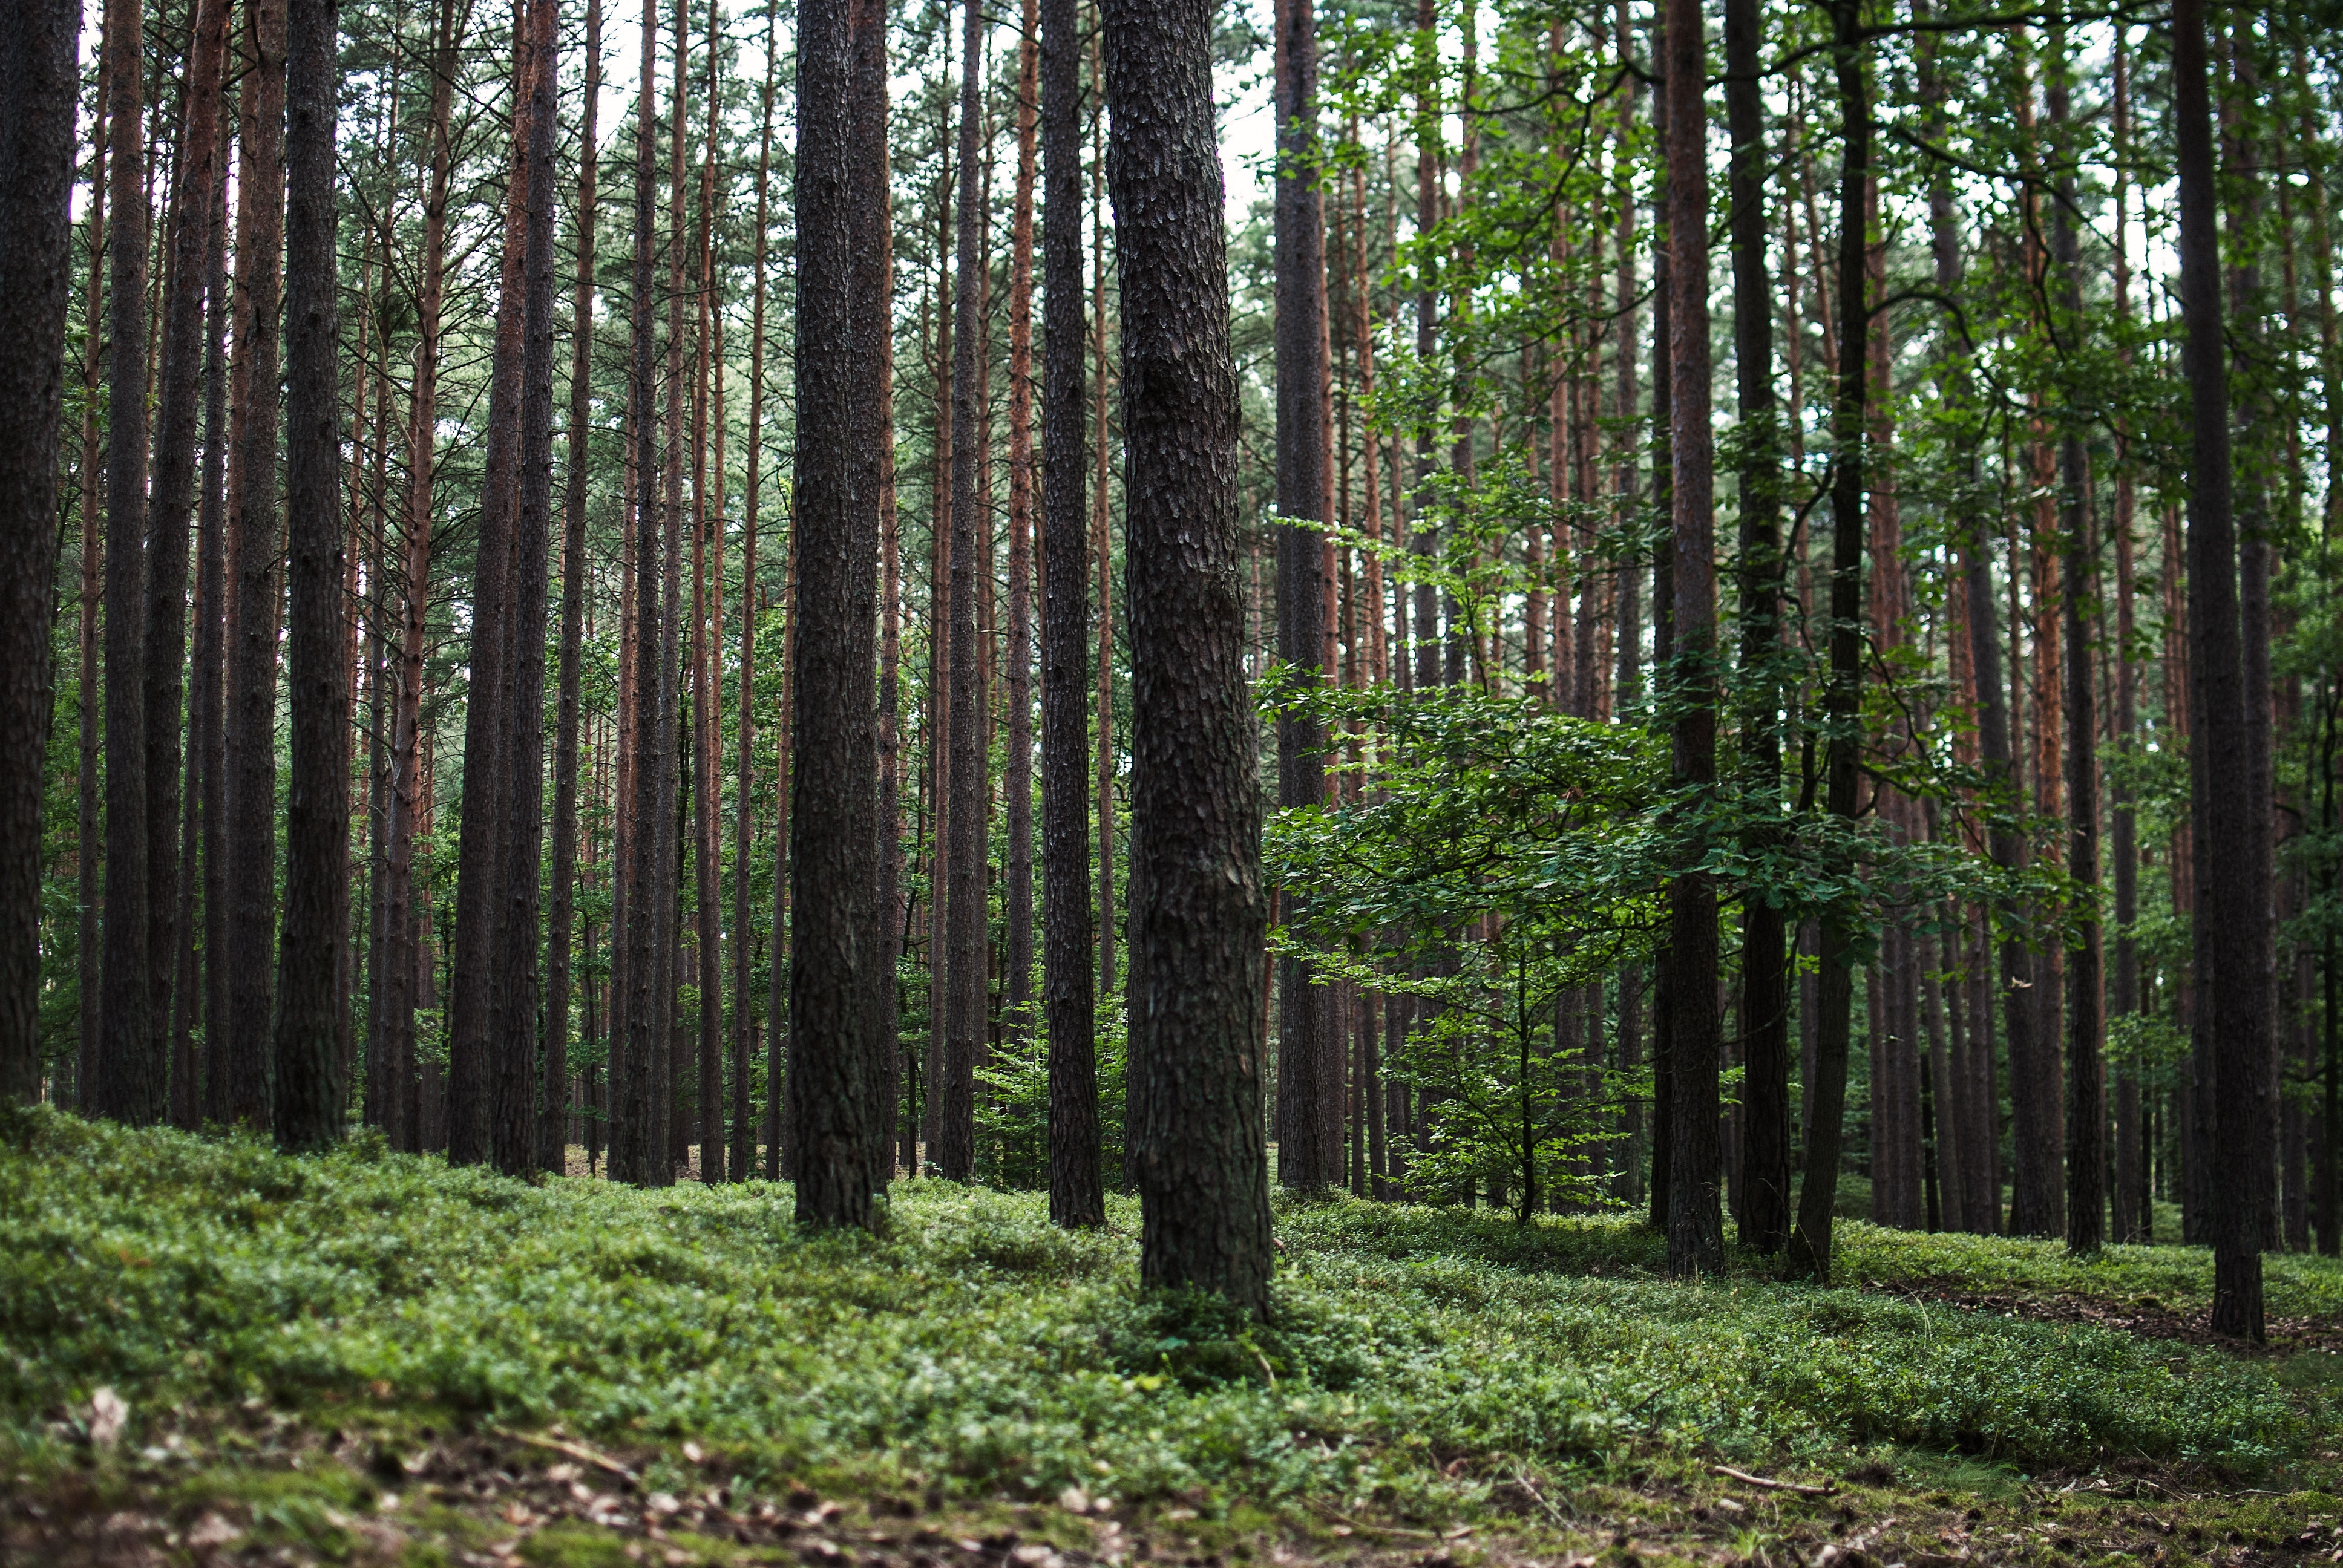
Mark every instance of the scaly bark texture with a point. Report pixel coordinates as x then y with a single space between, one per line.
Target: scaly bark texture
832 950
1077 1197
306 1096
1017 893
1197 905
40 82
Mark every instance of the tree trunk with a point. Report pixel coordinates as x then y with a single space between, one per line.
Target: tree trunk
308 1095
1695 1226
126 1081
964 853
833 1090
552 1146
38 102
1810 1244
707 637
1197 904
1076 1195
744 1022
1017 897
2229 989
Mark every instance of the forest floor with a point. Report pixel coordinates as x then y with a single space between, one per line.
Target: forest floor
210 1353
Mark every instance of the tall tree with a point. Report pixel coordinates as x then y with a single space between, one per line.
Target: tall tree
2230 990
1017 895
1764 1175
39 86
1810 1242
1695 1223
1076 1195
127 1080
1308 1058
554 1115
1196 899
831 948
963 968
307 1092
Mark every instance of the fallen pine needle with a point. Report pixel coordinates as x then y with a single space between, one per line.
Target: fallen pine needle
574 1450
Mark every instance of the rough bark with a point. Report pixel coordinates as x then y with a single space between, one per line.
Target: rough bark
744 1020
39 86
1017 892
1076 1194
1196 899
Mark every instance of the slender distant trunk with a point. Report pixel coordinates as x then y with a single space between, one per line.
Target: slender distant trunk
1695 1226
1101 536
1307 1069
633 1154
1076 1195
964 933
707 633
90 820
831 1056
211 656
193 182
744 1024
2086 1069
1017 899
306 1096
669 1132
553 1117
870 443
1810 1244
127 1080
2230 989
38 109
1764 1175
1663 612
1197 905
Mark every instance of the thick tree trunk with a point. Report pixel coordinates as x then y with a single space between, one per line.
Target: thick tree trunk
2230 989
1810 1243
1695 1225
1076 1194
126 1081
833 1087
38 96
308 1095
964 867
1197 903
552 1141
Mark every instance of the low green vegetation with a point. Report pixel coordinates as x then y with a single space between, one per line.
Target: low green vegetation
1419 1359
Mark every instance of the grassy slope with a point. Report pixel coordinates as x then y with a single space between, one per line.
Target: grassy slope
1422 1360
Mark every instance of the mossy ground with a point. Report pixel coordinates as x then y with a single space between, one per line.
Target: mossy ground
296 1341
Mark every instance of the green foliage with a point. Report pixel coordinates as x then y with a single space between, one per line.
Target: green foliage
977 1348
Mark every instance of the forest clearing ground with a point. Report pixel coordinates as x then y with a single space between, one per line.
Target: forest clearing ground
283 1344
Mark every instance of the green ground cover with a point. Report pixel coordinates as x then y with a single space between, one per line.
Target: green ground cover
1419 1355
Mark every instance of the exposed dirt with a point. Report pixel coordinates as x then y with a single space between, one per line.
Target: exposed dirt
2146 1317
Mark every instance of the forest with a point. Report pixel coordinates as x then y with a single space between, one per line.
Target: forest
1085 781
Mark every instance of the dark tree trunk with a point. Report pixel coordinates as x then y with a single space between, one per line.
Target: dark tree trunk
1308 1056
39 95
514 975
744 1023
832 950
254 553
707 638
126 1081
965 922
2229 989
1076 1195
2087 1144
552 1146
194 183
211 656
1810 1244
306 1097
1017 895
1196 899
1695 1224
1764 1173
1663 622
633 1154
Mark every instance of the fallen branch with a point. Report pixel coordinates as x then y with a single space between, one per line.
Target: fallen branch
1801 1488
574 1450
1356 1525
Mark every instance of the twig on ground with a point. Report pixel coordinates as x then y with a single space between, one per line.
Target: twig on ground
574 1450
1801 1488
